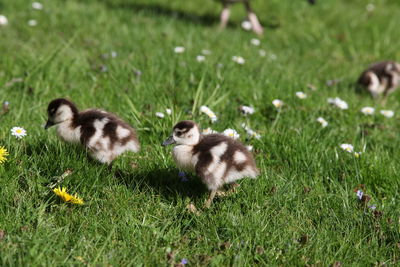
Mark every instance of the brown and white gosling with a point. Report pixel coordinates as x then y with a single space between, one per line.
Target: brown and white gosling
380 78
103 134
216 159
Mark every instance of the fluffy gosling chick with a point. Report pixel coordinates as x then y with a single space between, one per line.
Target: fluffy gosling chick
381 78
103 134
216 159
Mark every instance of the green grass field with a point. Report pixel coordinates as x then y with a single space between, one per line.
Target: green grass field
301 211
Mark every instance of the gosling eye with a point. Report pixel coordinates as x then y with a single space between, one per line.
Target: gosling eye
178 134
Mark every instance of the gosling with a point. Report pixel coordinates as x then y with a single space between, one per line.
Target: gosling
103 134
380 78
216 159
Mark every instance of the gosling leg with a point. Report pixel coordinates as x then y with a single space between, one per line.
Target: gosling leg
210 198
255 23
224 17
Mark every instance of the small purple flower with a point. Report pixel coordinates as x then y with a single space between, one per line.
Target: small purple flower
360 194
184 261
183 177
372 207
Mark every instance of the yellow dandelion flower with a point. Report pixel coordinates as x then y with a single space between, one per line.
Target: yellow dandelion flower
62 193
3 154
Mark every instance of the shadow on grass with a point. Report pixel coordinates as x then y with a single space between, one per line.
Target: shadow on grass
187 17
164 182
160 10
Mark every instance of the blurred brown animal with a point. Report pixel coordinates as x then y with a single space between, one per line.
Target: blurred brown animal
381 78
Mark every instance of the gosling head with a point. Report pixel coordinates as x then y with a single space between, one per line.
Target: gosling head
184 133
60 110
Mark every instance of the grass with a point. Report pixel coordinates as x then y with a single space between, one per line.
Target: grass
302 210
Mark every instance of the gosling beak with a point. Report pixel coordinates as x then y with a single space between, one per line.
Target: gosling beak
48 124
169 141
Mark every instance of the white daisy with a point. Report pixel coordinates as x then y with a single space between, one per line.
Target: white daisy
160 115
179 49
347 147
246 110
231 133
338 103
37 5
32 23
312 87
262 53
250 132
342 105
357 154
246 25
277 103
255 42
301 95
114 54
331 100
209 131
3 20
249 148
370 7
387 113
168 111
273 57
18 132
200 58
323 122
368 110
209 113
238 60
206 52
